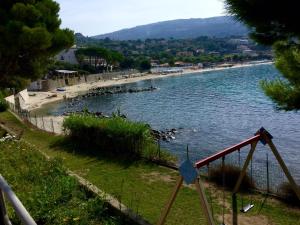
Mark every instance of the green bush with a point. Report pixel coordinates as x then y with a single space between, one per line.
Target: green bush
2 133
3 103
232 174
109 135
288 195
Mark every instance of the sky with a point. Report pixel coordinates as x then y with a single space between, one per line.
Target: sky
93 17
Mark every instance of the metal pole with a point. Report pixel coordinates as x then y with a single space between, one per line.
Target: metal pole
268 180
16 203
43 122
3 213
36 122
52 125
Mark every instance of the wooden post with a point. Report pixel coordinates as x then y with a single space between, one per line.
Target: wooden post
164 214
283 166
239 181
203 202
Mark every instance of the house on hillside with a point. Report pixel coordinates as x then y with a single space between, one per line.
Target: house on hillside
60 78
183 64
185 53
67 56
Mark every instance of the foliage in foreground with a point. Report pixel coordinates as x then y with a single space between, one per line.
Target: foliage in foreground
29 35
278 28
109 135
288 195
3 103
47 192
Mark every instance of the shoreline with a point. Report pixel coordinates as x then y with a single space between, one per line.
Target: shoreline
43 98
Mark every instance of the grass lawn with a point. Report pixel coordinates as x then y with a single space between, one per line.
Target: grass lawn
50 195
142 186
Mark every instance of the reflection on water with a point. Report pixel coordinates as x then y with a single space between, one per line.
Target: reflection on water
215 110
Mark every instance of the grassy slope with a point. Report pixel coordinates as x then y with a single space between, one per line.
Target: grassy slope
47 192
141 186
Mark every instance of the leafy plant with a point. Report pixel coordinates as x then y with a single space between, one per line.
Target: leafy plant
109 135
288 194
3 103
231 176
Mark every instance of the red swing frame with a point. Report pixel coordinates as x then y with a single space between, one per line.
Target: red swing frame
263 136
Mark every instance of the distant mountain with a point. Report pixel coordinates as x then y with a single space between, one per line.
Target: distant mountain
221 26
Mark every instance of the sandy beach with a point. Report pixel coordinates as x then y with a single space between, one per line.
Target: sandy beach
38 99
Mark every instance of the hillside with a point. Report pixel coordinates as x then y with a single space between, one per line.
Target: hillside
222 26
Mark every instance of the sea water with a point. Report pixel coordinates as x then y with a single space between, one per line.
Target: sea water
211 111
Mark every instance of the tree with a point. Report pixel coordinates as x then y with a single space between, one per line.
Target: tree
145 65
127 63
115 58
96 55
30 35
275 23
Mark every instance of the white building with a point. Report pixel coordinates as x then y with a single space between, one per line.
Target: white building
67 55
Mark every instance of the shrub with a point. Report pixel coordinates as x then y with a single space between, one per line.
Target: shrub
109 135
232 174
2 133
288 195
3 103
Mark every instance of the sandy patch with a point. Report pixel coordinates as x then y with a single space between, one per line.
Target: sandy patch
156 176
246 220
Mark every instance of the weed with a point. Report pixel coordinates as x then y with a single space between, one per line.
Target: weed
288 194
232 174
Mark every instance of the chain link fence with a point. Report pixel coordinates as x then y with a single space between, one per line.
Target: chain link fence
52 124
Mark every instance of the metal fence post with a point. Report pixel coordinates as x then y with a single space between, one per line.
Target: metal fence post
29 117
43 123
158 148
36 122
3 213
52 125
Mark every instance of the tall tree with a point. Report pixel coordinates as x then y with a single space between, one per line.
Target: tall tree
275 23
96 54
30 35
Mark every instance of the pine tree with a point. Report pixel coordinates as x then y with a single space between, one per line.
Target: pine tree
30 35
275 23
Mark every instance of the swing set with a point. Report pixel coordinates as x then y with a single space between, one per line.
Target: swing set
189 174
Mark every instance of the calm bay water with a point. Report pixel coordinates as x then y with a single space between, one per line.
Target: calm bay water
213 110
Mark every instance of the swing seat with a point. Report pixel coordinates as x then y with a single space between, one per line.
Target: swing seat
247 208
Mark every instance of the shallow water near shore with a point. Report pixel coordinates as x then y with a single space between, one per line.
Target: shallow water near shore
210 110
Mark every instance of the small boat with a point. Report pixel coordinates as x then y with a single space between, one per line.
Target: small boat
61 89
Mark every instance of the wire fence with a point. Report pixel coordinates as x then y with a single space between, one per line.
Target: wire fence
266 173
52 124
